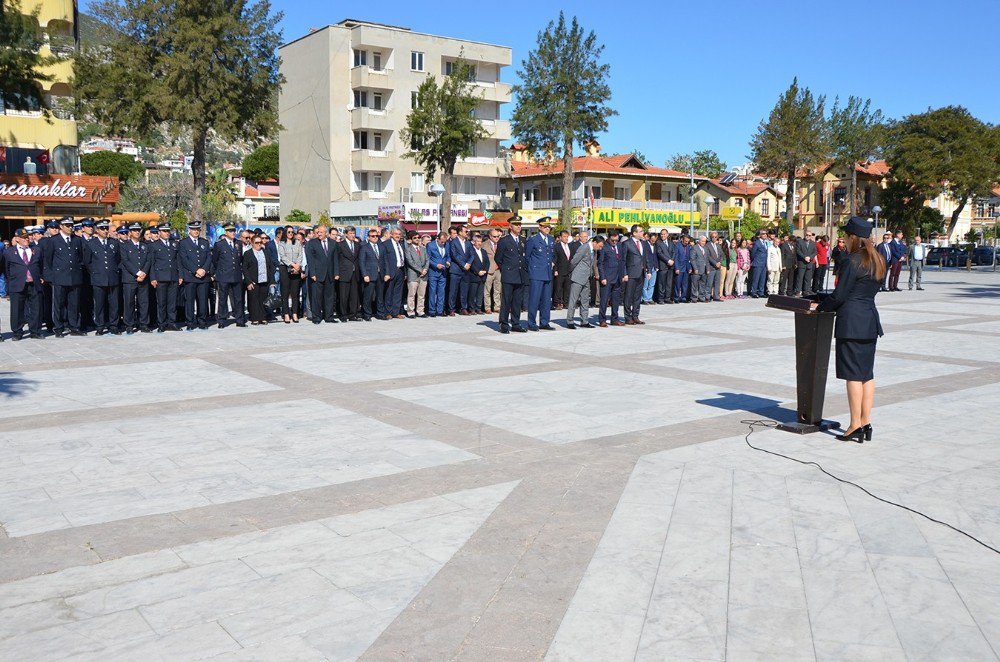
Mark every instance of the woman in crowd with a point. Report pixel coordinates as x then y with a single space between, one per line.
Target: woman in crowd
290 274
857 328
822 263
743 268
731 249
258 276
837 256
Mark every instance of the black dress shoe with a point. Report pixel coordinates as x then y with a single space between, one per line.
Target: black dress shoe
101 332
241 325
569 326
504 328
37 336
547 327
517 328
220 325
588 325
162 329
145 329
532 328
856 435
316 321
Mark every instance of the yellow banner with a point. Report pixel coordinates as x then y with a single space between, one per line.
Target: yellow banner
731 213
625 217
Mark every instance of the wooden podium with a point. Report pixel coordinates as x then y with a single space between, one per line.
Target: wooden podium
813 337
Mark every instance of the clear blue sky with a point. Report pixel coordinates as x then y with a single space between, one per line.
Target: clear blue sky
697 75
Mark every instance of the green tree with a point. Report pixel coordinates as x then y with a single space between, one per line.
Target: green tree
705 163
299 217
162 195
20 61
262 163
442 128
793 135
219 201
903 209
201 67
112 164
178 221
946 150
564 98
856 134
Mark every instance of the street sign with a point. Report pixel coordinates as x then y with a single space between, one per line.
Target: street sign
732 213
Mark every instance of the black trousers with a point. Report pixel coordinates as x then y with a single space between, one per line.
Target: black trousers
392 294
26 308
664 291
610 294
86 303
511 301
105 305
65 307
166 303
371 299
135 295
633 297
477 287
349 303
230 294
290 285
560 289
786 282
322 300
804 278
46 305
255 302
195 293
819 277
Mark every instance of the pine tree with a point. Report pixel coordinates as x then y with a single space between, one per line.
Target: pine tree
262 163
856 134
564 97
202 67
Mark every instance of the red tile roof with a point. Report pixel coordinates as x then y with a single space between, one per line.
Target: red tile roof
253 192
605 165
740 187
874 168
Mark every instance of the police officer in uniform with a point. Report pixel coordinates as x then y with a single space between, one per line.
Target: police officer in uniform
194 257
51 229
102 259
164 275
227 258
62 266
87 322
136 260
513 277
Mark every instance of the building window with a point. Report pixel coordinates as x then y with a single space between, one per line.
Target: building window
667 194
595 192
738 202
868 197
469 186
360 140
715 207
377 181
360 99
376 101
555 193
413 100
377 141
376 60
840 196
417 182
449 69
992 210
362 181
416 61
765 207
621 193
360 58
980 210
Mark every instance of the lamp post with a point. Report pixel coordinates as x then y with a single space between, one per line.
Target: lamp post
876 210
691 191
709 201
996 223
436 191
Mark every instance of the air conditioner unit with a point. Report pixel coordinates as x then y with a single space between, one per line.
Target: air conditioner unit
404 195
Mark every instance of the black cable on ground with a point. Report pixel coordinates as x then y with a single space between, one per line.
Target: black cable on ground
753 424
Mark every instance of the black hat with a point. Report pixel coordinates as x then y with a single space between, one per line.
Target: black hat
87 223
122 229
194 225
859 227
65 220
164 228
102 224
21 232
135 226
515 220
53 224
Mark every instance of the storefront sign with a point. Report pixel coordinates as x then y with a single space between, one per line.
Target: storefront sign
625 217
416 212
732 213
78 189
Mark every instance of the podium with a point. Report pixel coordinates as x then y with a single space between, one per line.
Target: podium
813 338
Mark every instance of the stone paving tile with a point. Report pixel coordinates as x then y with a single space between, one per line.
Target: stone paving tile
614 340
185 464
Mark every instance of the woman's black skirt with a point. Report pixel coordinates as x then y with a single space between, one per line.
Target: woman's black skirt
855 359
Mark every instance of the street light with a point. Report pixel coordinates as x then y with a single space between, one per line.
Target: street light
691 191
709 201
436 191
876 210
996 222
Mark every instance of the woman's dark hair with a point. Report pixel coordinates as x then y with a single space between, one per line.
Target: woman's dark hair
870 260
279 234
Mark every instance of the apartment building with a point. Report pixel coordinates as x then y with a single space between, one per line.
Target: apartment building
349 88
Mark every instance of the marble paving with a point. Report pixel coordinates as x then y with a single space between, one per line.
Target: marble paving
432 490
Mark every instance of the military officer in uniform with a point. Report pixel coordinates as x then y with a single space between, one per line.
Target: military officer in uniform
194 258
51 229
513 277
136 260
164 276
62 266
102 261
227 258
86 293
539 254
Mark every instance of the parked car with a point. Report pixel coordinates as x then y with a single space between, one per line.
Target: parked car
948 256
983 255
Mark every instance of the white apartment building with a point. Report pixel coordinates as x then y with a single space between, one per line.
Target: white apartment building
349 88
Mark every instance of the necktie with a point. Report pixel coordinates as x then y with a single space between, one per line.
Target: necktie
639 246
418 251
375 247
566 249
325 250
26 257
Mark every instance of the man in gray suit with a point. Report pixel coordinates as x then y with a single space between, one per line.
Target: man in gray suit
581 269
699 271
417 262
714 267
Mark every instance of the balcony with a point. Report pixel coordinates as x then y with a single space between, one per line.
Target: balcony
370 195
367 77
370 160
607 203
493 91
499 129
478 166
366 118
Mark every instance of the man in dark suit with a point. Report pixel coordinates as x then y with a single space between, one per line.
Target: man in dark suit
194 259
898 247
610 269
758 267
562 269
437 275
477 275
682 271
227 260
636 272
164 278
370 263
136 263
805 251
885 250
393 275
22 265
789 258
321 258
103 263
513 277
62 266
346 275
666 255
459 254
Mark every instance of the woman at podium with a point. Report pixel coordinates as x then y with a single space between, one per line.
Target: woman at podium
857 328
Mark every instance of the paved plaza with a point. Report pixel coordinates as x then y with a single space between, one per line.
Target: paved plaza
432 490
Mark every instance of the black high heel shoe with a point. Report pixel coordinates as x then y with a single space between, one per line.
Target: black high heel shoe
856 435
868 432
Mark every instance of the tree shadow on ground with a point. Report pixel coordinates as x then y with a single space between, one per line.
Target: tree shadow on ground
978 292
14 384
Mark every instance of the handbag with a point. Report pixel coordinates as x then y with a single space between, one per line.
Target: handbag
272 302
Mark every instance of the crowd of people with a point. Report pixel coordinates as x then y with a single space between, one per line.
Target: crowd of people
71 278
